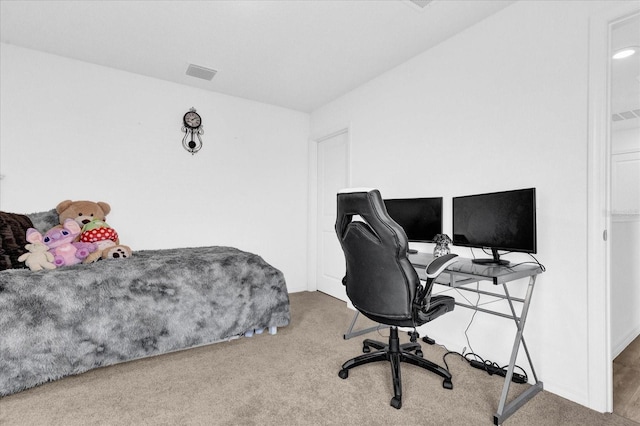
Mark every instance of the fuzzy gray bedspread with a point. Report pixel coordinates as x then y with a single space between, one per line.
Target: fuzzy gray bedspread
70 320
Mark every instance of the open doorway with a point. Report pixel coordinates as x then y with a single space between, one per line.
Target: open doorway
599 218
625 215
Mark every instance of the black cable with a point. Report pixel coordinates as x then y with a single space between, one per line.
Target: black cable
539 264
449 353
535 262
493 368
524 373
475 311
490 367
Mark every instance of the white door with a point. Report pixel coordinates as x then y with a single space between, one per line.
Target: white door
333 175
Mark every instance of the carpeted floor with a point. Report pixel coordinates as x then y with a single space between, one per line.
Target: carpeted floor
626 382
290 378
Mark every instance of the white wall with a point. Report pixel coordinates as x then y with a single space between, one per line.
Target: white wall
73 130
625 139
500 106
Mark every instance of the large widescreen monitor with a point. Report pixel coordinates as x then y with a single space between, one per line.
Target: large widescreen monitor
497 221
421 218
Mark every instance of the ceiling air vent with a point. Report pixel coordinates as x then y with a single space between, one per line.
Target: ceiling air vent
626 115
201 72
419 4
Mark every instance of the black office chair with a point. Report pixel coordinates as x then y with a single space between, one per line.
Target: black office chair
384 286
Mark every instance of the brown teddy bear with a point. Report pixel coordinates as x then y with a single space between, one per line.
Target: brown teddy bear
116 252
91 217
82 212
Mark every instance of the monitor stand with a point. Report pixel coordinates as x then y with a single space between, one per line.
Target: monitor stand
495 261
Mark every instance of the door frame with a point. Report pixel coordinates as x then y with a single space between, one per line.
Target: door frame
600 362
312 201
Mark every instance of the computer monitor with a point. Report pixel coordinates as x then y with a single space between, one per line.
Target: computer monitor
497 221
421 218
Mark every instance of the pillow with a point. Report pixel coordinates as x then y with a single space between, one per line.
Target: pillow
43 221
13 238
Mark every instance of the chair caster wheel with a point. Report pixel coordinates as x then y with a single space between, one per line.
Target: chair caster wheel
396 402
343 374
419 353
447 384
366 349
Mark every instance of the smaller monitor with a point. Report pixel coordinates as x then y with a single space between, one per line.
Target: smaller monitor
421 218
497 221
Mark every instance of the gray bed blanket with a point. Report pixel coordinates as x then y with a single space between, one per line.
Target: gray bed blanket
72 319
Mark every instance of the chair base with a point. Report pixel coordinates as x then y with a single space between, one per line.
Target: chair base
396 354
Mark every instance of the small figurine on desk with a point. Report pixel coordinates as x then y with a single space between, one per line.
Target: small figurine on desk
442 245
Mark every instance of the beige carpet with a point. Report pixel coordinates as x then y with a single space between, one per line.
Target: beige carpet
290 378
626 382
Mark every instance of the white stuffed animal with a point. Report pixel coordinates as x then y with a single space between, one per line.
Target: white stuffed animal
38 258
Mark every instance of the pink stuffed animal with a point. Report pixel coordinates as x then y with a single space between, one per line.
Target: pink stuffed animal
60 242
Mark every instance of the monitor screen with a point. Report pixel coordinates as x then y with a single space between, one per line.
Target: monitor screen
421 218
499 221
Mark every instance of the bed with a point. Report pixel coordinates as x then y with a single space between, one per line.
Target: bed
61 322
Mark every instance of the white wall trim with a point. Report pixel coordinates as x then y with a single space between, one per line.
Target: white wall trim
621 346
600 376
312 222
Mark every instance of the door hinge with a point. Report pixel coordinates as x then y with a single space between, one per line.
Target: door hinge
604 235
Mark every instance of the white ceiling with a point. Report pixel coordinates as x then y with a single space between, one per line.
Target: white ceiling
295 54
625 73
298 54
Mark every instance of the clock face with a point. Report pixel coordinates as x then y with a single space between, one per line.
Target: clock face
192 120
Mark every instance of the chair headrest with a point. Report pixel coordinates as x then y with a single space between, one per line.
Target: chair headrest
355 190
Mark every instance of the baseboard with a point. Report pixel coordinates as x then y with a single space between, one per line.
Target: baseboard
572 394
617 348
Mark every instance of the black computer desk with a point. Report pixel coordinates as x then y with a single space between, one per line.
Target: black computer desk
464 272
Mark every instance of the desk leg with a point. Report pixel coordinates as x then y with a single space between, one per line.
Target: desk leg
506 410
350 333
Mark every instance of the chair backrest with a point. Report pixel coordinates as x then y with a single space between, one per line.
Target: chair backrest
381 282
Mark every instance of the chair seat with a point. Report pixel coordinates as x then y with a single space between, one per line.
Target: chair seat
439 305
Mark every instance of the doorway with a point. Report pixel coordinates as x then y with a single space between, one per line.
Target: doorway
624 165
599 217
332 175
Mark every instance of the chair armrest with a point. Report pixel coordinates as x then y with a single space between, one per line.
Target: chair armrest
433 269
439 264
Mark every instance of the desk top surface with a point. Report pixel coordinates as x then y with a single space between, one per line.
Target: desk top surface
466 268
